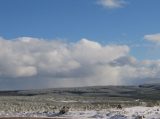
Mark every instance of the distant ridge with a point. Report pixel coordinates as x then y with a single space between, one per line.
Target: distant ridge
145 91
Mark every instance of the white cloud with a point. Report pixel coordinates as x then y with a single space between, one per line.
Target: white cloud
153 37
112 3
37 63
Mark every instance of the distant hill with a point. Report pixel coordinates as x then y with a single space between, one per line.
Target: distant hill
146 91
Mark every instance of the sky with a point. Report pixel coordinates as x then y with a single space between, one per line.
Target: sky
69 43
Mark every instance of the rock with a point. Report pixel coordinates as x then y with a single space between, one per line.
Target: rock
139 117
64 110
119 106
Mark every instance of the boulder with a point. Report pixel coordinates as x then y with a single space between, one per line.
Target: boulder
64 110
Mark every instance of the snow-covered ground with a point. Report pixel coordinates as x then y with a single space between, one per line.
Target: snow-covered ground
125 113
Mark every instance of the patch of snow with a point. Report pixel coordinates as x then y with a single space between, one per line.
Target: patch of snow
125 113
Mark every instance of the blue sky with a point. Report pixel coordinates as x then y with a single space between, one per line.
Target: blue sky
76 19
93 23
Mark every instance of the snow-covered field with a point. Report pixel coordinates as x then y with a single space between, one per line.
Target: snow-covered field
85 103
138 112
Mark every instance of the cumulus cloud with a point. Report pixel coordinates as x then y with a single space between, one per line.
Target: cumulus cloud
112 3
153 37
37 63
